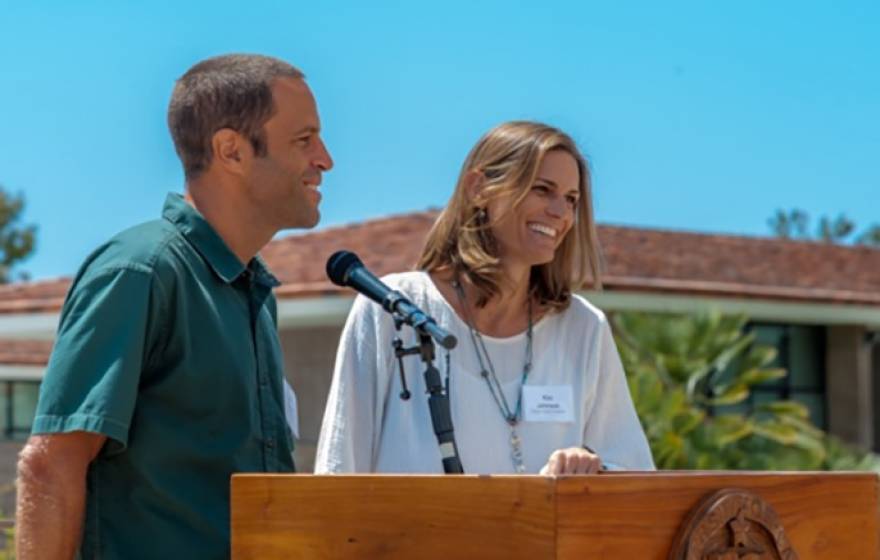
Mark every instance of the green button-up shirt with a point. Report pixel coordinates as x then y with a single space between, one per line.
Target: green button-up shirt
168 346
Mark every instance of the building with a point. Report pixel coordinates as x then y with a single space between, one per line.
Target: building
818 304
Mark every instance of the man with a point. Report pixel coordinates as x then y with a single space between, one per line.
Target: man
166 376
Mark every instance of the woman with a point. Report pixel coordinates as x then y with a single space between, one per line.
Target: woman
536 383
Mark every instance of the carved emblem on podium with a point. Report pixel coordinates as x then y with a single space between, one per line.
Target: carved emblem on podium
732 524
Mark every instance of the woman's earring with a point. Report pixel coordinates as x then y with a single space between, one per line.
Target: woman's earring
481 214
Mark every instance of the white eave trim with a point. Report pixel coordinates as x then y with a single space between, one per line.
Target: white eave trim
21 373
323 311
756 309
29 326
331 311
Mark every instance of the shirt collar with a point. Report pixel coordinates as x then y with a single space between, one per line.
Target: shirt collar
262 274
210 245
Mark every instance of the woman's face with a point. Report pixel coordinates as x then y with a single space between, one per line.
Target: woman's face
530 233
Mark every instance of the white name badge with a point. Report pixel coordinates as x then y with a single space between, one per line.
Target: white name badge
548 403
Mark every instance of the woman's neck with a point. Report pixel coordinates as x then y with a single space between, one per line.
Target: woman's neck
505 314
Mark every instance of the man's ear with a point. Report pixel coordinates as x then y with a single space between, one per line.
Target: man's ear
473 184
231 151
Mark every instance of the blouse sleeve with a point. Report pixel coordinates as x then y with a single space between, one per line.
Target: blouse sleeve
352 420
613 429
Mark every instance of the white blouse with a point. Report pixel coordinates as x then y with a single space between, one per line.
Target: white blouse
368 428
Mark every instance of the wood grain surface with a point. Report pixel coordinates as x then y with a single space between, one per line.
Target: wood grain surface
608 516
825 515
372 516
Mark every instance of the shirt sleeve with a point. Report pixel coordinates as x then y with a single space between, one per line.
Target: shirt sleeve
352 420
91 381
613 429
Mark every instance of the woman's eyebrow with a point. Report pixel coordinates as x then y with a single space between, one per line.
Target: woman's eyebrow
549 181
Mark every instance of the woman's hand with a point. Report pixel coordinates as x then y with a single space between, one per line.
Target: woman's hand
574 460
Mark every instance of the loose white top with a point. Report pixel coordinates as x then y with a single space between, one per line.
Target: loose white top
369 428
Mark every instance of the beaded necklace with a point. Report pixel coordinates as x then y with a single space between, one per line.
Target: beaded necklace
512 417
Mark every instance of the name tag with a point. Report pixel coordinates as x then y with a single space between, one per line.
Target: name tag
548 403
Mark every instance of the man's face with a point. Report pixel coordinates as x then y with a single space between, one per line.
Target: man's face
284 183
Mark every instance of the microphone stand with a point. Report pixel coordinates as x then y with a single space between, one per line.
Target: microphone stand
438 397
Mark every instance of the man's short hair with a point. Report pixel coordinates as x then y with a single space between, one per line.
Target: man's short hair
230 91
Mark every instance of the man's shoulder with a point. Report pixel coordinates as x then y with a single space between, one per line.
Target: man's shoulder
140 248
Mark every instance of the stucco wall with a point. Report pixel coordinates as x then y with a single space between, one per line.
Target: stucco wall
309 354
8 459
875 377
850 385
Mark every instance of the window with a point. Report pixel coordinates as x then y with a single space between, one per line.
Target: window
18 403
873 338
801 352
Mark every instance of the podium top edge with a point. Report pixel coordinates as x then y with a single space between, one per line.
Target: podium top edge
615 474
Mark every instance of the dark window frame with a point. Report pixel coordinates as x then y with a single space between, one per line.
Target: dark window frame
785 388
11 431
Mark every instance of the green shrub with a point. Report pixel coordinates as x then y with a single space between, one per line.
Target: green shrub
691 377
7 543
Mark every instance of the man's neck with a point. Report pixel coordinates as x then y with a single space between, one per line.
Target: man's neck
232 218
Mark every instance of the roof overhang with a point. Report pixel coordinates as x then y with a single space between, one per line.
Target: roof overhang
756 309
15 372
29 326
331 310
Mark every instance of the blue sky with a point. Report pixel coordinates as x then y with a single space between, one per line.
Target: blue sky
699 116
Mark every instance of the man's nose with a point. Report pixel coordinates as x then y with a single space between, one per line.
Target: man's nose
322 159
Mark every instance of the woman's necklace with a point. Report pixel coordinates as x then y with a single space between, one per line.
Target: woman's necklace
512 417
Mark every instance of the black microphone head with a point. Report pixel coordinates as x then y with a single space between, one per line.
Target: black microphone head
340 265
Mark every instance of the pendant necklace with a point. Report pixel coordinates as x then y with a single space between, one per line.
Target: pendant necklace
511 416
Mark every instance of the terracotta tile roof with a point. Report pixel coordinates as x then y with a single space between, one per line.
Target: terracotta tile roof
25 352
33 297
734 266
385 245
636 259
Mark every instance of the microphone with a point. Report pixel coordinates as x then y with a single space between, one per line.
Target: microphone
344 268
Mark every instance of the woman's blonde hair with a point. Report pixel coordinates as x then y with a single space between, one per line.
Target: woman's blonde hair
461 240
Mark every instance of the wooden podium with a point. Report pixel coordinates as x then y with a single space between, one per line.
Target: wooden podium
663 515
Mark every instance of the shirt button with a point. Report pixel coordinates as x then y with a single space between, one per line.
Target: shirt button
270 443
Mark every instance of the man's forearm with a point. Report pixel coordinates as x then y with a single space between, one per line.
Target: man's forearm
49 512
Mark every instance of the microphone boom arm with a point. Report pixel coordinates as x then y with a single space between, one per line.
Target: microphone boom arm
344 268
396 304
